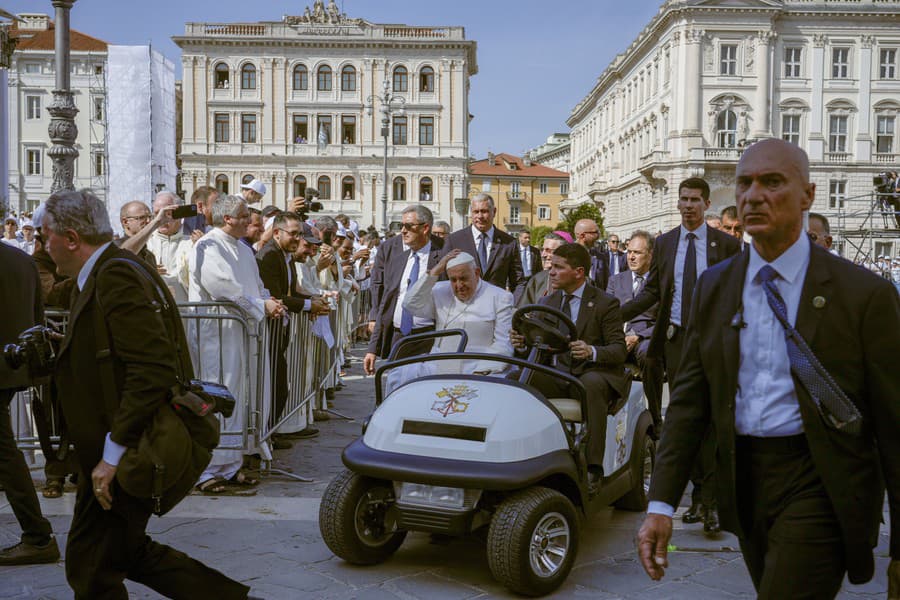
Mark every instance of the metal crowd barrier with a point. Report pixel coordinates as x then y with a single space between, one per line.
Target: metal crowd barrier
227 347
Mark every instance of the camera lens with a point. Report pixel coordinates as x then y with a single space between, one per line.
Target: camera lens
14 355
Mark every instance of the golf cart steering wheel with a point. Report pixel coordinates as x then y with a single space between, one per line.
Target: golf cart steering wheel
542 332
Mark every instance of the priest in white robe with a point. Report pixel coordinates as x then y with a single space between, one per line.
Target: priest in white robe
465 302
223 269
172 249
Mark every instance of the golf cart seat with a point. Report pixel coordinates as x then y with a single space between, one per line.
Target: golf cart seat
569 409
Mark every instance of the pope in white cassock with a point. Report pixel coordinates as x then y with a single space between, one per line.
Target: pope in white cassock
223 269
466 302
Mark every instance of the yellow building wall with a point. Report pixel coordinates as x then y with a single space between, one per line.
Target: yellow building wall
531 198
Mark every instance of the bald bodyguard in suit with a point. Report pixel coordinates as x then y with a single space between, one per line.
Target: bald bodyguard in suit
794 366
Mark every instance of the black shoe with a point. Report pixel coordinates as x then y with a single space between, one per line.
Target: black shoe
711 520
329 393
303 434
27 554
694 514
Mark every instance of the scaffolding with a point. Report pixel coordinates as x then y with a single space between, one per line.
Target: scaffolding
98 134
865 227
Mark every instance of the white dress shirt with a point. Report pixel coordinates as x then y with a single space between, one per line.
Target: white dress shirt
422 256
766 403
700 250
574 308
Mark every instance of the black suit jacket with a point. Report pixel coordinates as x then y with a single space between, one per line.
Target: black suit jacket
660 286
536 266
390 261
504 268
20 296
621 287
599 324
598 276
854 336
273 270
142 354
605 256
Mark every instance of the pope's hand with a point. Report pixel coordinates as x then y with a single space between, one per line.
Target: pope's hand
439 268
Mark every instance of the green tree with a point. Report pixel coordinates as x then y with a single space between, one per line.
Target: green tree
538 233
587 210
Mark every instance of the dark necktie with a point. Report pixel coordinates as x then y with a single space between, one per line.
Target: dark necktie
613 263
482 253
688 279
567 306
406 318
836 409
525 268
637 285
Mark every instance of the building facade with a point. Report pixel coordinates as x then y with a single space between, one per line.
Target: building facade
526 195
32 78
286 102
705 78
554 153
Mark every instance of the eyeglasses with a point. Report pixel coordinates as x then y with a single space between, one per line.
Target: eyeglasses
141 218
294 234
411 226
613 241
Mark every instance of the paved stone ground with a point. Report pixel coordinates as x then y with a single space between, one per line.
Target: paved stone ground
272 543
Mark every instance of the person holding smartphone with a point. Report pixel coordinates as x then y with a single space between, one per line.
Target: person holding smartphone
169 244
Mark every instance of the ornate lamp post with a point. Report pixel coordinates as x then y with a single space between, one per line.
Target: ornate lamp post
390 104
62 109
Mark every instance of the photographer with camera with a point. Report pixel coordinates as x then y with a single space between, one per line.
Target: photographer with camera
887 190
20 294
117 338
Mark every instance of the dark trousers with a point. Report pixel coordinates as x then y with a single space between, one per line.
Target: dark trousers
652 373
16 481
703 472
278 342
107 547
599 395
793 546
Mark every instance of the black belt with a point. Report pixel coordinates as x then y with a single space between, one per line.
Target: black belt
414 331
788 444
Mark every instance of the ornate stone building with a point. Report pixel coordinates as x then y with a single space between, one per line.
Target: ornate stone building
707 77
286 102
554 153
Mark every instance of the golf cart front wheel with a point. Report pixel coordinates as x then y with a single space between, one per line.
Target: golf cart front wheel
354 522
532 541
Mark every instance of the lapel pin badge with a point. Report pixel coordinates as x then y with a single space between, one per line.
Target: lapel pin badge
819 302
590 305
712 244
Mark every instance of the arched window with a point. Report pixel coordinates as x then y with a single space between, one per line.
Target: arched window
247 178
348 79
426 79
726 129
425 188
222 76
301 78
299 186
401 79
348 188
323 79
248 77
222 184
399 188
324 187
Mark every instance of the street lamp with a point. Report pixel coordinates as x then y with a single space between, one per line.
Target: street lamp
63 131
390 104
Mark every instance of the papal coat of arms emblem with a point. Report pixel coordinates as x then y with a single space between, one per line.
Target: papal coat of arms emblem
453 400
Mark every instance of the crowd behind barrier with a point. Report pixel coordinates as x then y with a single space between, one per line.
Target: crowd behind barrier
311 362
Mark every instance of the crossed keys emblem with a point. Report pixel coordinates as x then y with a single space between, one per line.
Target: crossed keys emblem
454 399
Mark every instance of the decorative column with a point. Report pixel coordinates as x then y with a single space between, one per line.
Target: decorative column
816 100
693 38
863 133
762 110
62 109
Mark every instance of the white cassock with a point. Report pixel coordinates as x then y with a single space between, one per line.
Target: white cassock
173 252
486 319
223 269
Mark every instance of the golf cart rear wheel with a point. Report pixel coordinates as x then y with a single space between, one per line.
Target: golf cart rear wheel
642 470
532 541
353 519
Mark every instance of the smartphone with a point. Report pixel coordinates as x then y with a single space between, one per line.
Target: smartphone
182 212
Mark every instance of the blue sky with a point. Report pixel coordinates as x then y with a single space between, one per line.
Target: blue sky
536 58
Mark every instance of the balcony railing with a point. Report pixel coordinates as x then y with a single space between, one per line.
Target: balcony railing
837 157
886 158
517 196
520 222
722 153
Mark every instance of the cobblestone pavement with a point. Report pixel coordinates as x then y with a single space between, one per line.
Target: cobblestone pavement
272 543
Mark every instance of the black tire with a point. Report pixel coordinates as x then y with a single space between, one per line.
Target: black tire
642 468
518 521
349 528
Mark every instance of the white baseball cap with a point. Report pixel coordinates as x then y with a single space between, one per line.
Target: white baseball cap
256 185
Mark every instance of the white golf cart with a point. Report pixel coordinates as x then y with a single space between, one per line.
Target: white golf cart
450 454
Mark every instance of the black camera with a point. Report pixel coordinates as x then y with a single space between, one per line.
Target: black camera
310 194
35 350
883 183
